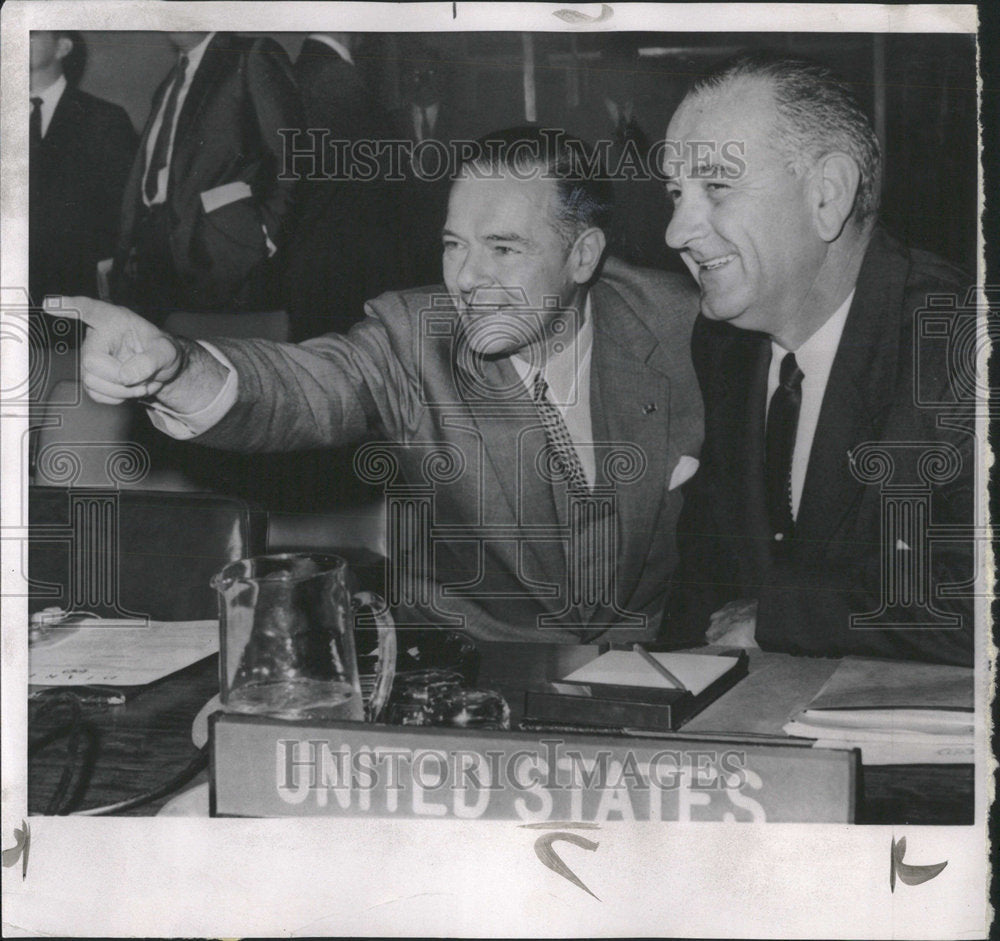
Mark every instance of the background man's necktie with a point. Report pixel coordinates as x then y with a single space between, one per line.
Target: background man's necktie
159 158
557 435
35 124
782 423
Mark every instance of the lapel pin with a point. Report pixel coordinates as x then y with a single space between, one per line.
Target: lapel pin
649 409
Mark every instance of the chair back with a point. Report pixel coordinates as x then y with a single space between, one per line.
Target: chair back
121 553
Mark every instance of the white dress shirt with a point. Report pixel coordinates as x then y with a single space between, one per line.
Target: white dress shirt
815 359
50 98
194 57
337 47
430 113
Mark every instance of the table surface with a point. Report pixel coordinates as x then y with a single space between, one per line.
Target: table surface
116 752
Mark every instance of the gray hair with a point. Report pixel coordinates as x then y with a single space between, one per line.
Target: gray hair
817 115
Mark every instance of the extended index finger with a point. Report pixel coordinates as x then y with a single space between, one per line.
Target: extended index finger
92 312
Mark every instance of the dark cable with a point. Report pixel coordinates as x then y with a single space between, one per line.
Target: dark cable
75 730
196 764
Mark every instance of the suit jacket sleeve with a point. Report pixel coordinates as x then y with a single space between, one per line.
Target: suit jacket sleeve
274 104
326 392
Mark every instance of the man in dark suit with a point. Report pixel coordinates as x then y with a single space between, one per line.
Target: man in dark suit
429 121
205 207
80 153
808 527
548 403
610 118
347 243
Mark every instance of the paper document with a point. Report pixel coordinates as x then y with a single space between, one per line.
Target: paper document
895 712
112 654
859 684
890 721
904 750
625 668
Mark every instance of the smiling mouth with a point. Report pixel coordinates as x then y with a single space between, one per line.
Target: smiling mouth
713 263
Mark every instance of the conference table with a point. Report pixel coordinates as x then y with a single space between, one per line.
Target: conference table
90 753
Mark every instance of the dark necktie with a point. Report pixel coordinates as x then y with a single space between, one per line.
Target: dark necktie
566 457
782 423
424 126
35 125
159 159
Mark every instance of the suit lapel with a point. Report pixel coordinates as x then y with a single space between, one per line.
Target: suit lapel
64 119
499 408
629 404
748 414
857 394
217 58
132 198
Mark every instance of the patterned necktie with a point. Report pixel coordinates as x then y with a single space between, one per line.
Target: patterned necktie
565 455
782 423
35 124
159 159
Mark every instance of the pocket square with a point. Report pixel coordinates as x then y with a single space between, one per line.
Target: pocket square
684 470
220 196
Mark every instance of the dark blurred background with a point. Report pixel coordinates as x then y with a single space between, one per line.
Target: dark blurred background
920 89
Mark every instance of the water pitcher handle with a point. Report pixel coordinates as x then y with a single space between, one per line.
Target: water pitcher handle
386 629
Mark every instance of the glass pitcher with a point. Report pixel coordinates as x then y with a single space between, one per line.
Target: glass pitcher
287 639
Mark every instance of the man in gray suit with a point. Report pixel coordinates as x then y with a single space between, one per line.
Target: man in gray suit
540 410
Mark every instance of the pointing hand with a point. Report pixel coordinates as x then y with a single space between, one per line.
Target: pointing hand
124 356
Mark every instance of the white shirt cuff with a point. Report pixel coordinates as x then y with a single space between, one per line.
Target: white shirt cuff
183 425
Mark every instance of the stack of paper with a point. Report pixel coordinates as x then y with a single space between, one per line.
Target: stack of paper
625 668
623 689
119 653
895 712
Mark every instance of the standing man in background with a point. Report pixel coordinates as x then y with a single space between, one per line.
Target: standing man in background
204 209
429 120
347 243
80 153
611 119
807 359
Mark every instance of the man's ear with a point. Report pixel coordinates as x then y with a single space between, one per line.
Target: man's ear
585 255
63 47
835 178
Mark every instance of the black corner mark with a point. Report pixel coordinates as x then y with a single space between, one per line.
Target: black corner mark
909 875
552 860
22 841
